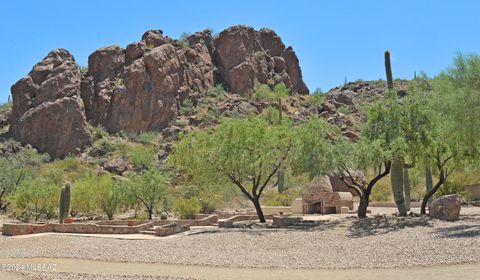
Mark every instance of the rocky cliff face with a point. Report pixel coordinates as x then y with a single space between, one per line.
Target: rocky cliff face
141 87
47 111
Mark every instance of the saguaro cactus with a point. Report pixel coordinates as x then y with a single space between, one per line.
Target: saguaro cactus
406 187
65 202
396 176
388 70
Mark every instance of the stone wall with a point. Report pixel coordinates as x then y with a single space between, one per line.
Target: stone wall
22 229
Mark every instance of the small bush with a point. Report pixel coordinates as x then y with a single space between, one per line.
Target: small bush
316 98
382 192
37 198
187 207
142 157
216 91
454 188
274 198
183 40
148 138
262 92
84 192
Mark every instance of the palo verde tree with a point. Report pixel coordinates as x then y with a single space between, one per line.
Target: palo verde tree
147 187
16 168
320 150
244 152
454 141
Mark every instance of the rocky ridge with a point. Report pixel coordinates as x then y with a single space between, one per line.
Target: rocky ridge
141 87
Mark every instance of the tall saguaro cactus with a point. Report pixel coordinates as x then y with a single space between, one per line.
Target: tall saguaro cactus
388 70
396 176
406 187
65 202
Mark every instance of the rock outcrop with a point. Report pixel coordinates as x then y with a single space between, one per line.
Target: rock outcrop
47 111
245 56
141 87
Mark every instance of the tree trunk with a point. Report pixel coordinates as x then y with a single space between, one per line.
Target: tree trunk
396 176
429 194
362 208
258 208
406 187
428 182
150 213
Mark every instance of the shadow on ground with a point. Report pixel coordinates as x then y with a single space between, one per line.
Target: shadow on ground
385 224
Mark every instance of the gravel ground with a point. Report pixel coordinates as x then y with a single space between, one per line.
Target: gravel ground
377 242
87 276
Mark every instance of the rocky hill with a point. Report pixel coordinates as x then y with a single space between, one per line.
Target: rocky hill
141 87
169 86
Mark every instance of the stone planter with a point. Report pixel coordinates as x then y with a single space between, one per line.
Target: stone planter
130 223
68 220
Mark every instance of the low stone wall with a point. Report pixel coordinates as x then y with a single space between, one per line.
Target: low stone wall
274 210
227 223
207 221
285 221
22 229
169 229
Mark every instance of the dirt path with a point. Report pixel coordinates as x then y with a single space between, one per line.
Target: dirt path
463 271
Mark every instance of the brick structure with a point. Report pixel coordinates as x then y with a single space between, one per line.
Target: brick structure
321 199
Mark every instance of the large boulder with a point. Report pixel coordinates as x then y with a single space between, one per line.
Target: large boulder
445 208
47 110
245 56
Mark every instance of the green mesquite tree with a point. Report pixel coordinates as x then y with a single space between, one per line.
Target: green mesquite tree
244 152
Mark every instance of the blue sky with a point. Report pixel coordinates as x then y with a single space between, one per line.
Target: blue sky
333 39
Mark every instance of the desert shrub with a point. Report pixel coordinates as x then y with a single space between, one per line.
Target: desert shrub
187 207
37 198
262 92
83 195
70 168
15 169
148 188
102 147
454 187
273 198
216 91
382 192
98 132
183 39
316 98
109 195
344 109
271 115
5 106
142 157
147 138
186 107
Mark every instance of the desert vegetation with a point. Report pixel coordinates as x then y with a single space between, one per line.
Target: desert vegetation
413 146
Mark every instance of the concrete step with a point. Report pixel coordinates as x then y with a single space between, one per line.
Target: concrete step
151 232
